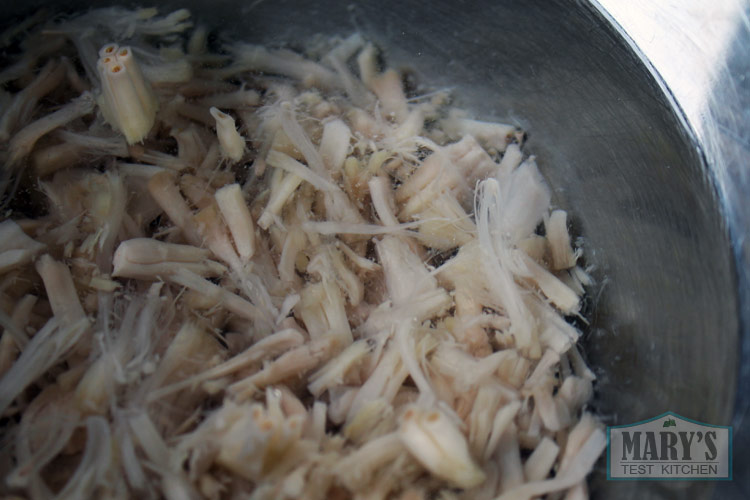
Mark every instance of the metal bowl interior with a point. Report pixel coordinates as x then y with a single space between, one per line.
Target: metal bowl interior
663 316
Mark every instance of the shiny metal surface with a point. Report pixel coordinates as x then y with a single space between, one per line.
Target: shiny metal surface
660 205
711 89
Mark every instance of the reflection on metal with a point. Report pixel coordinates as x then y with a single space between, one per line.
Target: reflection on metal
686 41
700 51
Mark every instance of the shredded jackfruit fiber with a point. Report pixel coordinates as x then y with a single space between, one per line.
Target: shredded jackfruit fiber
277 275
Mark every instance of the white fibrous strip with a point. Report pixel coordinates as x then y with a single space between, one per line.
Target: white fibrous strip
440 446
232 143
561 253
128 102
237 216
147 258
45 350
331 288
19 111
16 247
334 144
493 136
23 142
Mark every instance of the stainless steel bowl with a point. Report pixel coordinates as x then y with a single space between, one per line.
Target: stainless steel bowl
661 209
